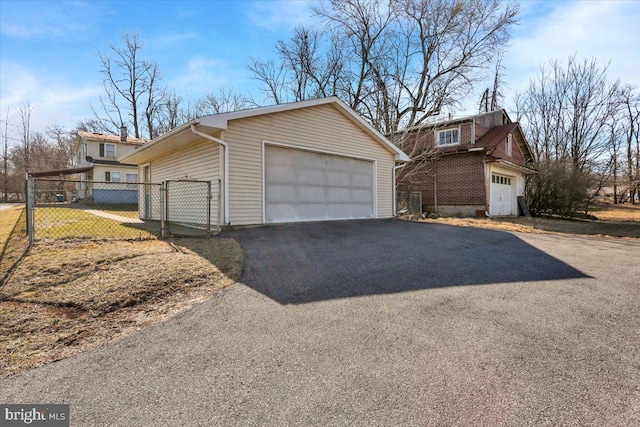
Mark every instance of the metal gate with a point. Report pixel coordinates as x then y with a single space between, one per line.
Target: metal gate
188 208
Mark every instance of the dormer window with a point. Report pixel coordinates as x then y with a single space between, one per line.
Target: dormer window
449 137
108 151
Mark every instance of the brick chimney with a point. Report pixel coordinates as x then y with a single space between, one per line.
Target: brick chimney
123 133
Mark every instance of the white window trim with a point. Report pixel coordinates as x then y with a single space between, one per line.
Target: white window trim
439 131
509 145
115 154
111 176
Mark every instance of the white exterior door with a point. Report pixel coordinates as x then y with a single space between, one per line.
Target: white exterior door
501 192
309 186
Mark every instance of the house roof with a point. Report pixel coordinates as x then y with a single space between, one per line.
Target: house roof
438 123
58 172
496 134
111 138
219 122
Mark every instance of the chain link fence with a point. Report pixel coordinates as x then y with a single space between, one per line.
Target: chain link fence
65 209
409 202
189 211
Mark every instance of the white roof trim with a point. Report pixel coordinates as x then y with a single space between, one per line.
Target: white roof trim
505 163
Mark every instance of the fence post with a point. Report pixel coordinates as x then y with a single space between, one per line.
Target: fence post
219 204
30 205
164 207
209 207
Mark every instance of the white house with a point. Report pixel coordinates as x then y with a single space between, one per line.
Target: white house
100 153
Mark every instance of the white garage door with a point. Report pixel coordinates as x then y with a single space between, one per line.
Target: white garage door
500 195
308 186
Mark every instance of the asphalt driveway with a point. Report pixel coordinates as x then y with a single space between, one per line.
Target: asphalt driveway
299 263
380 323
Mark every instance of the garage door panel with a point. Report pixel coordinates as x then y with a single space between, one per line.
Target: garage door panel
347 211
501 191
338 195
304 186
310 193
311 176
362 197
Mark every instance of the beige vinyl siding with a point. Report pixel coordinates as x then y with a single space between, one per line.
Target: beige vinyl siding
321 128
199 161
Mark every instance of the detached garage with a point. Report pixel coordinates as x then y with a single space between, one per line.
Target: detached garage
313 160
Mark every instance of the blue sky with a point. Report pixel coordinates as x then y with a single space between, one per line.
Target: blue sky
47 48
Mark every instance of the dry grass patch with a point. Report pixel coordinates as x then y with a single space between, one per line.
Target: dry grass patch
8 220
13 240
68 297
618 213
547 225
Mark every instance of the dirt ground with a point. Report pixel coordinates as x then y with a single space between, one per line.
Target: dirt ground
66 297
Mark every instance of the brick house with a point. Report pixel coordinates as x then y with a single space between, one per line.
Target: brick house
473 166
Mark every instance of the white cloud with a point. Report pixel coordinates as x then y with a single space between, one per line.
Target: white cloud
56 20
54 101
202 74
274 15
606 30
171 40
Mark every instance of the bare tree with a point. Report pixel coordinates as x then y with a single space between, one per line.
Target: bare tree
569 114
566 109
5 156
223 100
63 142
419 145
132 93
24 132
395 62
273 76
630 111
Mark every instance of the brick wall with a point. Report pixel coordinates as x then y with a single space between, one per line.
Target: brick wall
460 181
516 155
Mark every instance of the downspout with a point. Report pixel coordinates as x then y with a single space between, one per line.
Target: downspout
473 131
395 190
226 168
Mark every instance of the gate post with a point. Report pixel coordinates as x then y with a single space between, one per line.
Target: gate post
164 207
30 205
208 207
219 205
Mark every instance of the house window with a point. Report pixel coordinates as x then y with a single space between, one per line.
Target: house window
108 150
449 137
508 146
131 178
112 176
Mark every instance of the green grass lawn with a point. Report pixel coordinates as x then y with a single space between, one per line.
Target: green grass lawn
62 223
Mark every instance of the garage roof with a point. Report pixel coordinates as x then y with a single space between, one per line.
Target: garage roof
182 135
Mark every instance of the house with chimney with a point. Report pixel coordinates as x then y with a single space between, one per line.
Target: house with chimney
103 175
472 166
